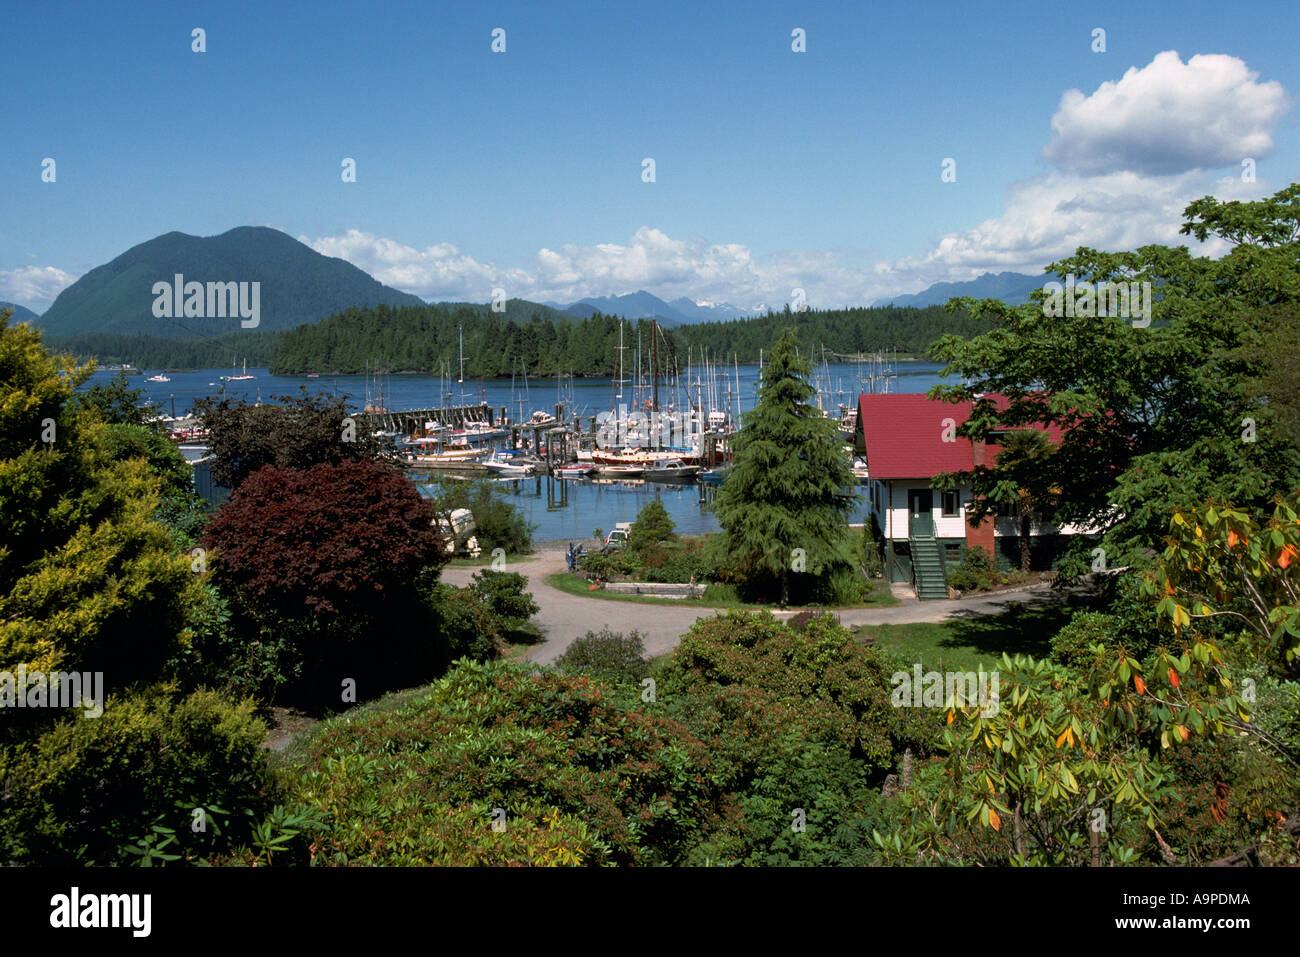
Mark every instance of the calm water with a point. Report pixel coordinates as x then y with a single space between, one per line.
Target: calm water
415 391
560 509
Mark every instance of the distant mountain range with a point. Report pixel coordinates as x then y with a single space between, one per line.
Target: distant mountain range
1013 288
298 285
21 313
681 311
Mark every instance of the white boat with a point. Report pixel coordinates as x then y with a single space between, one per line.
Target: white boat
576 470
622 471
670 469
507 464
158 378
243 377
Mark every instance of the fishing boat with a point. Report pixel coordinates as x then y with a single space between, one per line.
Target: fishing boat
670 470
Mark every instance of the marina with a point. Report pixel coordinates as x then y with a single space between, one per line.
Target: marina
572 454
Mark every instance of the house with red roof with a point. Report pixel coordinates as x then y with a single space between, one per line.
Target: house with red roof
909 439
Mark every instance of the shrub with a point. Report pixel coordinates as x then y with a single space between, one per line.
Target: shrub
1070 646
608 653
332 562
498 524
87 791
606 567
504 596
975 571
464 625
652 526
590 780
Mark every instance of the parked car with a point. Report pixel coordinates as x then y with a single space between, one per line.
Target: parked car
617 538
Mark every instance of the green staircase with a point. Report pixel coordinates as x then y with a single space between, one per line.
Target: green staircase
928 575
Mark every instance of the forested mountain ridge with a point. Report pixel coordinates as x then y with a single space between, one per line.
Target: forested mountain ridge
905 329
426 339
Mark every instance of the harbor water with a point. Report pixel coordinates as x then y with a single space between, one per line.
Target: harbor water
559 509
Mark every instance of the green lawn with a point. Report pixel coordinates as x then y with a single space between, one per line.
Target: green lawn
485 559
966 643
714 596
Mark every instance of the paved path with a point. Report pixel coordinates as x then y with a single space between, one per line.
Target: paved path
564 617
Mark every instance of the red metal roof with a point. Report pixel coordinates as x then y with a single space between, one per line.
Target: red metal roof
903 435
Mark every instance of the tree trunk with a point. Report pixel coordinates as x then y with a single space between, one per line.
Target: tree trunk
1024 542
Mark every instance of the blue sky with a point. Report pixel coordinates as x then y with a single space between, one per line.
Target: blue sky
523 169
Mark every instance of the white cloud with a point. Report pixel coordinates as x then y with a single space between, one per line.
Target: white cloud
1168 117
1130 158
34 286
649 260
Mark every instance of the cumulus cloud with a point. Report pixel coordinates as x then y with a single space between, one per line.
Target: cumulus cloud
1168 117
34 286
651 259
1129 158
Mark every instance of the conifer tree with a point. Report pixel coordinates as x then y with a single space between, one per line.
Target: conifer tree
780 509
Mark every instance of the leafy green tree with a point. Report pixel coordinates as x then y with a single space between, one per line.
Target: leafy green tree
1022 478
780 509
294 432
116 402
88 579
1156 417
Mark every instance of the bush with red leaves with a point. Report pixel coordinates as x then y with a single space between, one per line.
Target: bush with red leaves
334 562
323 542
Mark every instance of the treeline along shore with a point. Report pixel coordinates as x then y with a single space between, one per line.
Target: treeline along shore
542 343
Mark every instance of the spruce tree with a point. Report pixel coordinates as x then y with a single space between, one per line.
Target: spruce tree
782 493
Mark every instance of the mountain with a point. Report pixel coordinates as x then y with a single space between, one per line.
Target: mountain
1013 288
696 311
21 313
516 310
644 305
297 285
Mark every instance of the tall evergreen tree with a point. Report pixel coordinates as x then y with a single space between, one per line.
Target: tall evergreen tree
782 494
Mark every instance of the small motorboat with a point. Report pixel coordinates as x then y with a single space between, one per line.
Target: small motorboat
158 378
670 470
505 463
622 471
577 470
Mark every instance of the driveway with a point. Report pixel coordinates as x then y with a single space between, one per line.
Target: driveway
564 617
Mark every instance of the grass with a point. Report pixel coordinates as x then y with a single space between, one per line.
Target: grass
715 596
963 644
486 559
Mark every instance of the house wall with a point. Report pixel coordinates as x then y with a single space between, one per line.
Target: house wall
892 513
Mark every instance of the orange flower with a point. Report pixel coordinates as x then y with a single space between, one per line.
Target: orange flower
1233 538
1139 684
1173 677
1284 559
